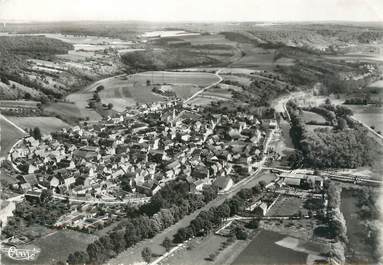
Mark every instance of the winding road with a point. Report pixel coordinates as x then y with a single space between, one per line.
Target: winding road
208 87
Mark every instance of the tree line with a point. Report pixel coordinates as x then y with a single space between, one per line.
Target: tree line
165 208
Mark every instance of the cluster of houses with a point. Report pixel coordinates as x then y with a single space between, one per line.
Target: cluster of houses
140 150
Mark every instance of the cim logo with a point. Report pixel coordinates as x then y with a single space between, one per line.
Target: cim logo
27 253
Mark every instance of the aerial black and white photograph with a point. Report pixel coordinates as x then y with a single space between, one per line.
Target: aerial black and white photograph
180 132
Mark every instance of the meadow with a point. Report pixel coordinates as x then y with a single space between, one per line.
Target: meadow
220 92
71 112
57 246
9 135
259 58
123 91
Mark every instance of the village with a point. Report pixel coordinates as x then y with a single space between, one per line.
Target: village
128 158
229 139
94 177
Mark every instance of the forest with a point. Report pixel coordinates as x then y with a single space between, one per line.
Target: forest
31 45
157 59
346 145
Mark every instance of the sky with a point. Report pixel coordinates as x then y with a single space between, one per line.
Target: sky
192 10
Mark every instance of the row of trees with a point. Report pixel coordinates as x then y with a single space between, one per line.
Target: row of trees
209 220
369 214
169 205
131 231
336 222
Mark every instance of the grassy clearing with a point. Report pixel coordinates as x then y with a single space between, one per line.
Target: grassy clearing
46 124
9 136
311 116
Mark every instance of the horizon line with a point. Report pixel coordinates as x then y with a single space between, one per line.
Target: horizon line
20 21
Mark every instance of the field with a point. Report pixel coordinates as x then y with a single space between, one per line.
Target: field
123 91
286 206
9 136
255 57
217 93
365 53
71 112
79 56
264 250
242 79
259 58
57 246
215 39
46 124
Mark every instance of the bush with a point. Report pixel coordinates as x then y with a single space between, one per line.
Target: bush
99 88
167 244
240 233
253 224
5 80
146 254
